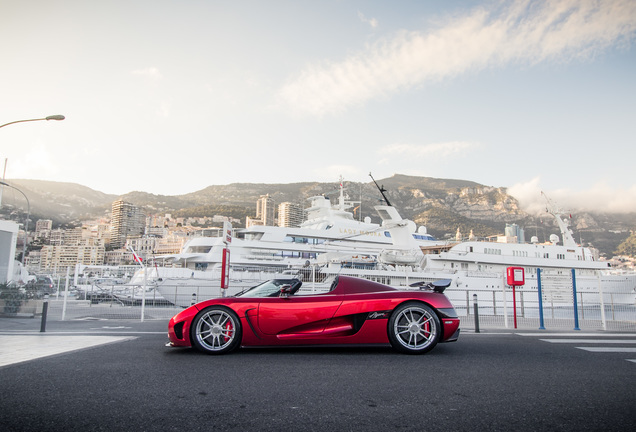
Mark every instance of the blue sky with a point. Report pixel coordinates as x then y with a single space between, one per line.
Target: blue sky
169 97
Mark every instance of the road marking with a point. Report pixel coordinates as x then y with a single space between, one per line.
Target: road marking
608 349
596 341
22 348
595 338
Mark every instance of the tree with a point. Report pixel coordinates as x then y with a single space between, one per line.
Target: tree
628 247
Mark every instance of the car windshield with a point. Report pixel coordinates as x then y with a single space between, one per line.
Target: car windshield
270 288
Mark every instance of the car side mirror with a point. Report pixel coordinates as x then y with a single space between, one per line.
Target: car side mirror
285 291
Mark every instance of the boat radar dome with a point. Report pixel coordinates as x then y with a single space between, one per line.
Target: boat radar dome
367 220
421 230
554 239
534 240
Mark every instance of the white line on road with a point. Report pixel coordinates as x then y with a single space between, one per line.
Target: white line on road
608 349
596 341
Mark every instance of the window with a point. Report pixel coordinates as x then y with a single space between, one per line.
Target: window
199 249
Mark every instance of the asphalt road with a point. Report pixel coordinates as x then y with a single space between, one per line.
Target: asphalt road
486 381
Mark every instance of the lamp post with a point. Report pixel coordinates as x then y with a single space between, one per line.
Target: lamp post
51 117
26 224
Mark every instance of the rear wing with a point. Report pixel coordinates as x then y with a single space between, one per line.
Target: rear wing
437 286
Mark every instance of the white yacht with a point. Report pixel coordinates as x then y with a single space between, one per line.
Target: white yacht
332 242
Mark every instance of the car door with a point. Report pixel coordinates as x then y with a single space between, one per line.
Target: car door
302 315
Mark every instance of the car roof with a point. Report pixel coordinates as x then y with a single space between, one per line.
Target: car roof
353 285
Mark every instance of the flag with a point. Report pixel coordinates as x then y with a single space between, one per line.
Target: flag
137 258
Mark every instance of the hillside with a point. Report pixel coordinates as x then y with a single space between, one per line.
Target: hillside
442 205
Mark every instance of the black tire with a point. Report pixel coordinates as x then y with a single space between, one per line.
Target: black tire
216 330
414 328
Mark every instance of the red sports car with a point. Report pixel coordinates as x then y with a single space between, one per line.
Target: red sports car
353 311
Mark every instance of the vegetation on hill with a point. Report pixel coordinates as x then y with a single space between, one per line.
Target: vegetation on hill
236 212
628 247
442 205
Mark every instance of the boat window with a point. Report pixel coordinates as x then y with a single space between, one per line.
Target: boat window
387 234
423 237
199 249
303 240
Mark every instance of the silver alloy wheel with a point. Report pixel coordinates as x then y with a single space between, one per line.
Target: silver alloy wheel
215 330
415 327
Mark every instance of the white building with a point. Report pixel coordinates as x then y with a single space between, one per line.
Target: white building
8 238
290 214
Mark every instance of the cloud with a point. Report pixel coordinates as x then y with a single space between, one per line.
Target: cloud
151 73
421 151
164 109
333 172
520 32
371 21
599 198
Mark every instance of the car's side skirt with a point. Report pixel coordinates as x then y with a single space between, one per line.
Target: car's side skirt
338 331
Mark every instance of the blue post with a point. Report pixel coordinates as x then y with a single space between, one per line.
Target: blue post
576 309
541 324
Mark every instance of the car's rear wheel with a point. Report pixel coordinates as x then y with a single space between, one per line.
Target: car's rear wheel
216 330
414 328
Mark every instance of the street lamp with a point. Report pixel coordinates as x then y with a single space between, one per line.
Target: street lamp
51 117
26 225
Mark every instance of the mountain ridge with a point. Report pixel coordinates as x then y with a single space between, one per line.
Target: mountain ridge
442 205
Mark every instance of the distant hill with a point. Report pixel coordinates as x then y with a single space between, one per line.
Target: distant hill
60 202
442 205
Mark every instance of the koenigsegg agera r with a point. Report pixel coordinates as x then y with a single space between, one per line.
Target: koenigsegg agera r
353 311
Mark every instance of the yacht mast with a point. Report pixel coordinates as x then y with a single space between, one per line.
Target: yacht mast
382 190
566 233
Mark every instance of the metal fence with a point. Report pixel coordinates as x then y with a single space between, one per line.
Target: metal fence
593 311
478 309
551 306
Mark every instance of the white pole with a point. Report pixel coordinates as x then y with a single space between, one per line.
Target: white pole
313 278
76 275
505 306
143 294
3 174
600 293
65 294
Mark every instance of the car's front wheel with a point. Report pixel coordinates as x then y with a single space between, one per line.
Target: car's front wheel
216 330
414 328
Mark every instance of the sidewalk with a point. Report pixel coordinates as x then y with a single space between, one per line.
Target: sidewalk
21 339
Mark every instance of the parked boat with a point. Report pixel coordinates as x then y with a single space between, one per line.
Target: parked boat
332 242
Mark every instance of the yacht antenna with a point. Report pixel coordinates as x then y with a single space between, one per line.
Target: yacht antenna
568 239
382 190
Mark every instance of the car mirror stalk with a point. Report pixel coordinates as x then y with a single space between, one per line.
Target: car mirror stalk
285 291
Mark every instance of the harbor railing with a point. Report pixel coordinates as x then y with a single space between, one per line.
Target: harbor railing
495 310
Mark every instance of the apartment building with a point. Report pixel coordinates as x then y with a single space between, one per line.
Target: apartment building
58 258
43 228
290 214
127 220
265 212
